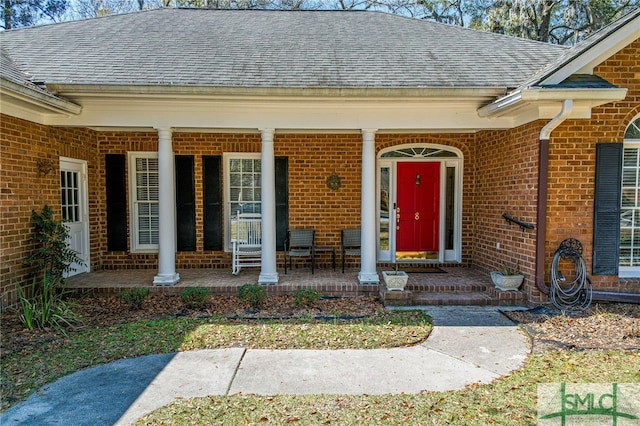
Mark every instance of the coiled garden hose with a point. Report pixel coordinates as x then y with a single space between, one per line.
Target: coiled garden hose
576 294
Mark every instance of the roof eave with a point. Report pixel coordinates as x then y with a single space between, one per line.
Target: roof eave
159 91
12 90
522 97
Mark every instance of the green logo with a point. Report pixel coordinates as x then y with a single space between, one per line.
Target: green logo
589 403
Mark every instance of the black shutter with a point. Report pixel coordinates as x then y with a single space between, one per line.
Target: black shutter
606 220
282 201
212 198
116 189
185 204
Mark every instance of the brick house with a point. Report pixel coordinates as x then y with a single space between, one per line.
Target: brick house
156 126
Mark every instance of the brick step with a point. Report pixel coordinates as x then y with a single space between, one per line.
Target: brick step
446 288
488 297
473 298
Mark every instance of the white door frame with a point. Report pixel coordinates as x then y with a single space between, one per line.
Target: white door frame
80 166
390 163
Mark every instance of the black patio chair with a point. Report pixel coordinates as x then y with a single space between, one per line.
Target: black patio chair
299 243
349 244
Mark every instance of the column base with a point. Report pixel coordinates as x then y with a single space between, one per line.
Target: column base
368 278
268 278
166 279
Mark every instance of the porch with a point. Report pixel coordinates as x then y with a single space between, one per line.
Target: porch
445 285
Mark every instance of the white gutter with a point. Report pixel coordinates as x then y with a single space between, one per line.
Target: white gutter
543 181
518 98
168 90
43 100
567 107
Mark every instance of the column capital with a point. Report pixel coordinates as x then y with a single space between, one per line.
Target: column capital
164 129
368 133
267 132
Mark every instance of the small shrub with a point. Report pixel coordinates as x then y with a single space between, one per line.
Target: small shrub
134 297
195 297
253 294
306 297
43 306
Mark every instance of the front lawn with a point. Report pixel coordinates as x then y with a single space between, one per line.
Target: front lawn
509 401
48 358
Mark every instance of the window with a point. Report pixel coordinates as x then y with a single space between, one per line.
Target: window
143 190
70 195
243 177
630 202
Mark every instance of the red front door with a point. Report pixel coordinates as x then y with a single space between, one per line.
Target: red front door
418 207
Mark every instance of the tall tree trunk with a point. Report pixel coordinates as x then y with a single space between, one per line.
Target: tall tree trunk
544 28
7 14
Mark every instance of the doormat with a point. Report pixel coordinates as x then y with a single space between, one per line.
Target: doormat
423 270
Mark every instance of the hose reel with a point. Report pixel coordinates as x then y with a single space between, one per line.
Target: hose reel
573 291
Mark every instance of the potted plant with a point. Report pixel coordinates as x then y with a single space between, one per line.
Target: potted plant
508 279
395 280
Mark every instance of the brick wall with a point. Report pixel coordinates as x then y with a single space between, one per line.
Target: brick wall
506 174
312 158
23 189
502 155
572 163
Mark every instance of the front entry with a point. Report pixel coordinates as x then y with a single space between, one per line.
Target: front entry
418 210
74 205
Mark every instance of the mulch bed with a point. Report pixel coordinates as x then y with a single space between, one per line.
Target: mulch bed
104 311
602 326
607 326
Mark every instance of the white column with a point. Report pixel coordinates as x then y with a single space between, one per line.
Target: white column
268 271
166 209
368 273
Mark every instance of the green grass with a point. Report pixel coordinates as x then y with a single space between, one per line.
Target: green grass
508 401
27 370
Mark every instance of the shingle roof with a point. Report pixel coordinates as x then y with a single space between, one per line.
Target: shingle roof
582 81
10 72
294 49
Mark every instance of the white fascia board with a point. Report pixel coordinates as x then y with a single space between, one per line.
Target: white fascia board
19 94
340 114
95 91
605 95
597 54
512 104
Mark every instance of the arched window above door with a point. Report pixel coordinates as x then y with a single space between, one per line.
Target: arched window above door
420 152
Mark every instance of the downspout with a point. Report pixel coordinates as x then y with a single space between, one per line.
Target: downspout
543 180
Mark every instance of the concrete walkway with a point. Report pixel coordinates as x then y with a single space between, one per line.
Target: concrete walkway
467 345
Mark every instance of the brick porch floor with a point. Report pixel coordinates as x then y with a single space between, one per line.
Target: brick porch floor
456 286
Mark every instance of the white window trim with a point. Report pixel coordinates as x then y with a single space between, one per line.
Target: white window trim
133 216
629 271
226 178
